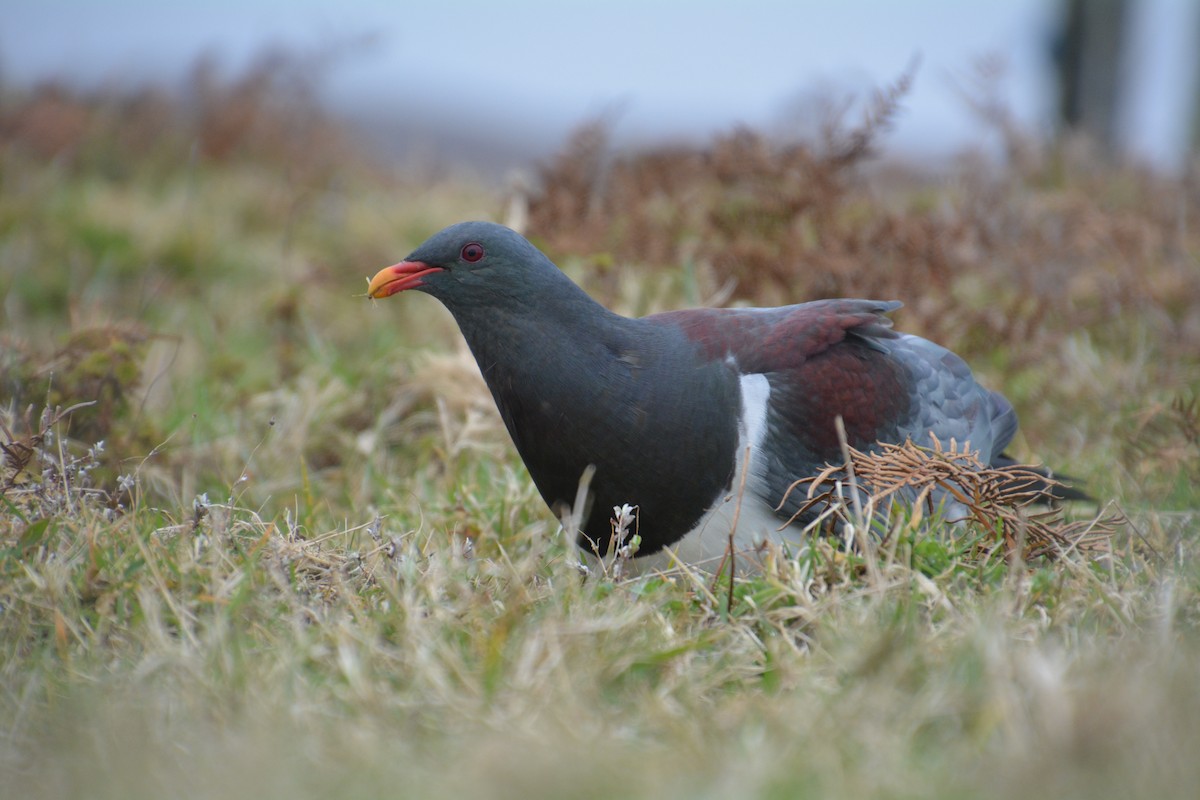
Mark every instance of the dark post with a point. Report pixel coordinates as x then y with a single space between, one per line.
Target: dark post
1088 57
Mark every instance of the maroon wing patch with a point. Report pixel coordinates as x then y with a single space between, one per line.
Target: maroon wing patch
770 339
823 360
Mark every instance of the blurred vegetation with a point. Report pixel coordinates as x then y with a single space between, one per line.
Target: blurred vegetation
261 538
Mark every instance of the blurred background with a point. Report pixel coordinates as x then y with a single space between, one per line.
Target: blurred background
500 85
261 537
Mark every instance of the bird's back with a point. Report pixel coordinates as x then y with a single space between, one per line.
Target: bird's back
839 358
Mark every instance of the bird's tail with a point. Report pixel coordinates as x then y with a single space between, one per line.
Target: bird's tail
1055 486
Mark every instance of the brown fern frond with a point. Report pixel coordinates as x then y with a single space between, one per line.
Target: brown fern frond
1013 504
878 117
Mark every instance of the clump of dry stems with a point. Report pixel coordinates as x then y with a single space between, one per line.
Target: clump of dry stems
1015 505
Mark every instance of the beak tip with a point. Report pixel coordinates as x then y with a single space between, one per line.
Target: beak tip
398 278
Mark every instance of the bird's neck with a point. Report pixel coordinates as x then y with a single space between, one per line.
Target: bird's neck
561 353
526 340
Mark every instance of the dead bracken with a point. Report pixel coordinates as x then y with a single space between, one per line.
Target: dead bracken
1013 506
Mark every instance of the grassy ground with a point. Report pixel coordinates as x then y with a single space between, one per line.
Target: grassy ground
289 551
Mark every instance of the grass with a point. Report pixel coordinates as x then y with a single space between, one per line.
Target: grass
305 561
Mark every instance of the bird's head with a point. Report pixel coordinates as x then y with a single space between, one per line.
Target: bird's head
476 262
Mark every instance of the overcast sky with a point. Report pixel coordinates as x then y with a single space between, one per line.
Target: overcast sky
532 70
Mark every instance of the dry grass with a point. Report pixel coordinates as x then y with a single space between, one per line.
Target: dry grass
289 551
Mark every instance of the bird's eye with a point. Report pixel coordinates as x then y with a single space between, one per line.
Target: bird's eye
472 252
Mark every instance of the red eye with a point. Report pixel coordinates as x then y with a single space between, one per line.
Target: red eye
472 252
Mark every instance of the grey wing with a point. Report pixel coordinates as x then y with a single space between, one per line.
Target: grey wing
949 402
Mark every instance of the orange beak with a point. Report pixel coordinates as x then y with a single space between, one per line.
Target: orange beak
399 277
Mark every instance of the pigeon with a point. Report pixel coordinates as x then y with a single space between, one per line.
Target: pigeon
698 420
